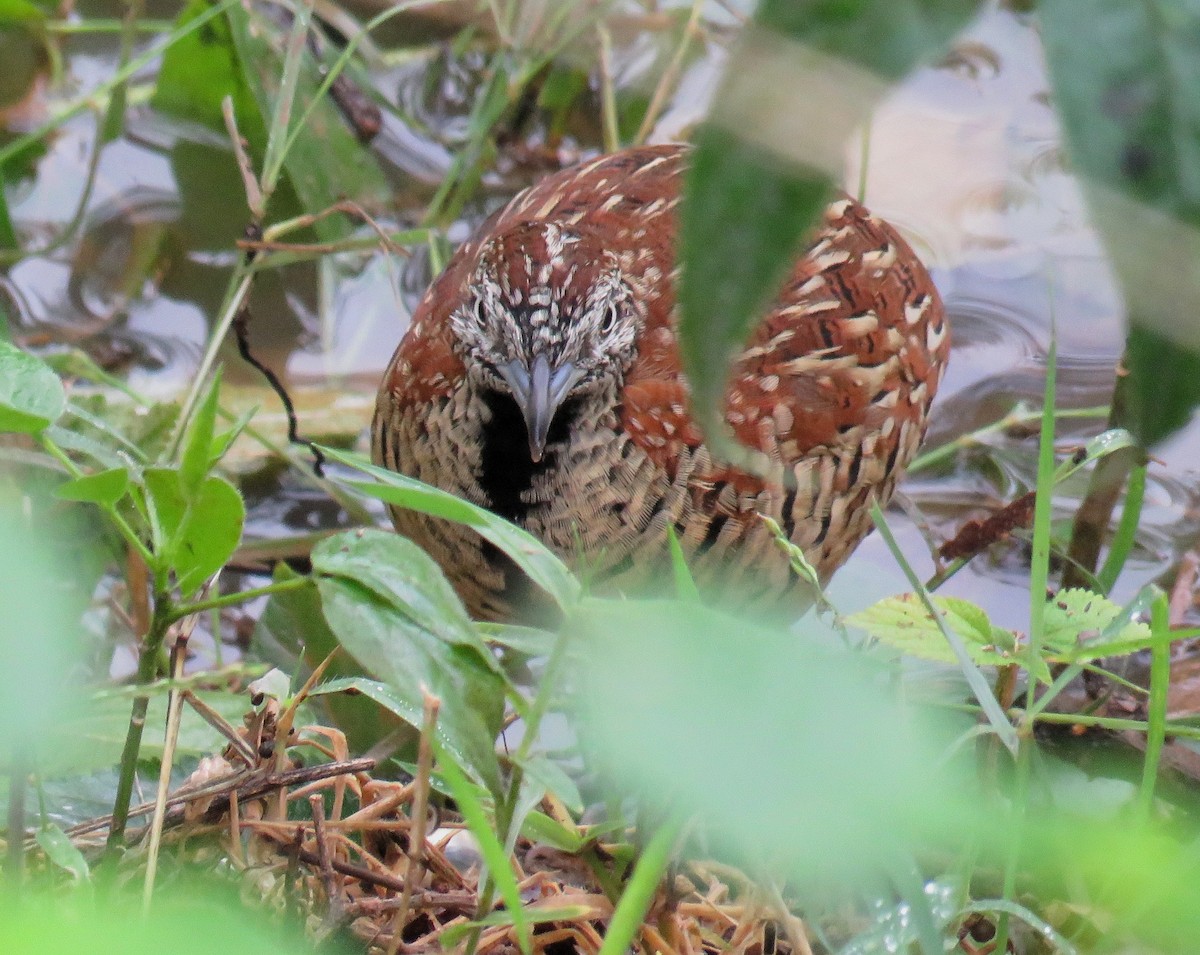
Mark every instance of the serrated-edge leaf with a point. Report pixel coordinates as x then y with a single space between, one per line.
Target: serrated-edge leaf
1078 622
538 562
903 623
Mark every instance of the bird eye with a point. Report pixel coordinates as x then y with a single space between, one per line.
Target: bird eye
609 321
480 312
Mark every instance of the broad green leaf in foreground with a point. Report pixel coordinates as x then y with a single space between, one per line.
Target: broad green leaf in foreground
39 638
1126 82
801 79
31 396
198 920
394 612
526 551
831 772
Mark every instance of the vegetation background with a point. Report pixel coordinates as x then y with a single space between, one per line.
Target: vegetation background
899 763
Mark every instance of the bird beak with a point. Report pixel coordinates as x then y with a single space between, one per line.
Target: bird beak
539 391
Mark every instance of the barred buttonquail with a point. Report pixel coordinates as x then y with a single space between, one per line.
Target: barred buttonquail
540 378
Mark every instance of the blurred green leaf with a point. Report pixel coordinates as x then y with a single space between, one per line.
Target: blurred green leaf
192 919
92 738
31 396
838 775
395 613
62 852
199 71
39 637
525 550
200 531
103 487
326 163
1163 388
1125 78
24 55
761 172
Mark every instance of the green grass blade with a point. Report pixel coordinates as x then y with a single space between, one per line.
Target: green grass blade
975 679
1156 711
1043 511
1122 543
639 890
490 849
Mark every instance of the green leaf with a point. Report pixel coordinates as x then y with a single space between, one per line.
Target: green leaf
902 622
554 779
103 487
95 735
1080 626
31 396
801 78
395 613
494 856
526 551
39 636
326 163
539 827
1101 445
62 852
399 573
195 460
671 693
197 532
1125 78
199 71
462 734
61 922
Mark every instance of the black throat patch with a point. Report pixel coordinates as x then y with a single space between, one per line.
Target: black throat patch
506 468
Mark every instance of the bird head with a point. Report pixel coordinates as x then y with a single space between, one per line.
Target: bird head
548 316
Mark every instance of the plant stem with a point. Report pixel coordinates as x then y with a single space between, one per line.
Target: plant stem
229 600
1160 679
147 667
1095 512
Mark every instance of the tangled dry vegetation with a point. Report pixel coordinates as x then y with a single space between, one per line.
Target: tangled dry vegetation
385 862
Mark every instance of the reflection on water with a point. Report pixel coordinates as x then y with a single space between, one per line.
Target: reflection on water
965 158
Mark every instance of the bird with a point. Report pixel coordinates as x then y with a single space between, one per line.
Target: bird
540 378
